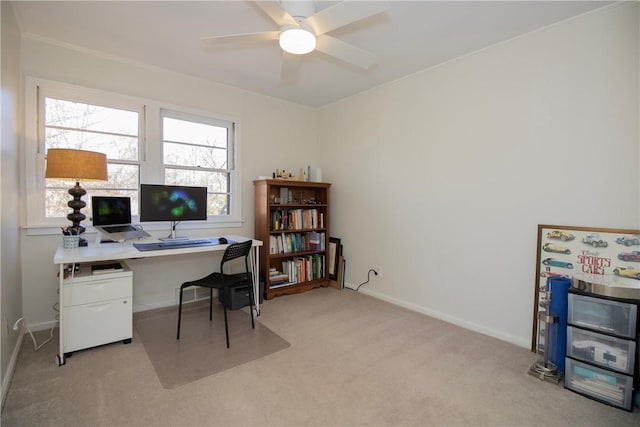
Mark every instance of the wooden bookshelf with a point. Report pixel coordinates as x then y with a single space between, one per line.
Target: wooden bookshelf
292 220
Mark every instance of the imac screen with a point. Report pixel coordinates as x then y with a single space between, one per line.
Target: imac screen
172 203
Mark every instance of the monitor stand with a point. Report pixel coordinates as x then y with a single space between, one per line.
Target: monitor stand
172 235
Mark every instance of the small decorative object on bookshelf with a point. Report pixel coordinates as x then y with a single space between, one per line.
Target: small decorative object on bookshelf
302 175
292 219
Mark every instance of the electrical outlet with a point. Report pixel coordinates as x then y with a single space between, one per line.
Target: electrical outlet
378 271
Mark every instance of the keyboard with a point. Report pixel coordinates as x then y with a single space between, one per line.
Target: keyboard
185 243
118 228
175 244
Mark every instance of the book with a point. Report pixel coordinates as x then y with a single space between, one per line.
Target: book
284 195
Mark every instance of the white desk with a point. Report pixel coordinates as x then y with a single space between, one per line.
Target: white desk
123 251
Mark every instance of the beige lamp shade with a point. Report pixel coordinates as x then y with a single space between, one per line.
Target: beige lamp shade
79 165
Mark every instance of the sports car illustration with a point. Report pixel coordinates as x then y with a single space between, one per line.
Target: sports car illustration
557 263
594 240
549 247
628 240
629 256
627 272
561 235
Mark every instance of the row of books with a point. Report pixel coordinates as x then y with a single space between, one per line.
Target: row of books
277 278
296 242
297 270
296 219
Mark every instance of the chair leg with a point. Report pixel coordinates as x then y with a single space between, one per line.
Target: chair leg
226 327
179 314
253 326
210 304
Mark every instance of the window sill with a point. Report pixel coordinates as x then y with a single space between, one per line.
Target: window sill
46 230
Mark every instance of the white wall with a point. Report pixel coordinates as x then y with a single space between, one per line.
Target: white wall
442 178
274 134
10 289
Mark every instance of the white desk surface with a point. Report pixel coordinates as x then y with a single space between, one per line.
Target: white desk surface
126 250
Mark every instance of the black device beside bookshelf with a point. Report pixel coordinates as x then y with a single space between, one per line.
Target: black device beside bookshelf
292 219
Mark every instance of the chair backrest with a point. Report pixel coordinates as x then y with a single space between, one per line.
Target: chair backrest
237 250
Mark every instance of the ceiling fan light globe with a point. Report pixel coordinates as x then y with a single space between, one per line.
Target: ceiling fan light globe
297 41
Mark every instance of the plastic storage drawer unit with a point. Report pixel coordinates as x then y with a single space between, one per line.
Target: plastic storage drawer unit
602 315
602 350
600 384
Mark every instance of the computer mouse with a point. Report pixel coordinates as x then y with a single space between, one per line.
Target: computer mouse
222 240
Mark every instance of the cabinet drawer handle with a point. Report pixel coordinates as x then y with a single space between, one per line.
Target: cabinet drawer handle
101 283
99 306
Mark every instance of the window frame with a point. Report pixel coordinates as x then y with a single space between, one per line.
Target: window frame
151 165
231 148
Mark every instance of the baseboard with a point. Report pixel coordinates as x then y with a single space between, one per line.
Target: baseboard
11 367
146 307
447 318
189 295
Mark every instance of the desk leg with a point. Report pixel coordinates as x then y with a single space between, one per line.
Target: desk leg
255 271
61 360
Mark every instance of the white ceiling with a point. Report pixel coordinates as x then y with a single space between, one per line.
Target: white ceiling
408 37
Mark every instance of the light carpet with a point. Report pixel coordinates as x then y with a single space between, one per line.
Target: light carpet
353 361
201 350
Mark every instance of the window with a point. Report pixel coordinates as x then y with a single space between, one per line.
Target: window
186 147
199 151
83 126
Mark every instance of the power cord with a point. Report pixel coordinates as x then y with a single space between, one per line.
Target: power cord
368 278
36 346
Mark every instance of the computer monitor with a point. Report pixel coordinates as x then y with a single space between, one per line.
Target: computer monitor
173 203
110 210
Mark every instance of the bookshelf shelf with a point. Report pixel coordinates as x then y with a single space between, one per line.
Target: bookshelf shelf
292 219
296 205
302 230
295 254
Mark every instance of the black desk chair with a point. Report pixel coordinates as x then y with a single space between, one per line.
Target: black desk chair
223 282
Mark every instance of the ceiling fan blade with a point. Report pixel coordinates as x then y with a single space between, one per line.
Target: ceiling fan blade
344 13
289 68
240 38
345 52
276 12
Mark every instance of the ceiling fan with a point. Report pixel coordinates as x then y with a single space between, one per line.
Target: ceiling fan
303 30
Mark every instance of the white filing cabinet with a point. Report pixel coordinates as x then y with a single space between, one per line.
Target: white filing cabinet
97 308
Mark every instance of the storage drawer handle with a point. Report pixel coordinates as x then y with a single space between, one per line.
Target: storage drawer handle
101 283
99 306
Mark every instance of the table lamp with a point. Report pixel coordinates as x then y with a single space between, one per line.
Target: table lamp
63 163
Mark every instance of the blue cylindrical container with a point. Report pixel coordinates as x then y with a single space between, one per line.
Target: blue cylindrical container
559 288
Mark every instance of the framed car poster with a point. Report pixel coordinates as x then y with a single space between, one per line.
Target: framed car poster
564 251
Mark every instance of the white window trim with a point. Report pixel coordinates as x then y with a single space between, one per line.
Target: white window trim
151 165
